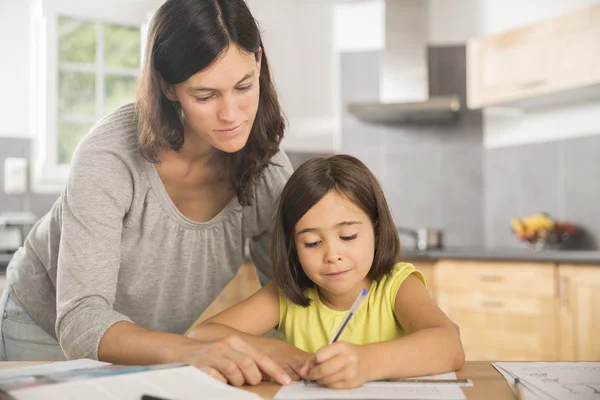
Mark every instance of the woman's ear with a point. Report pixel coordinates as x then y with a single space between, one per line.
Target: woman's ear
167 89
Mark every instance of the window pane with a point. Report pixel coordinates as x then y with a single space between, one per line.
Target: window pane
76 93
120 90
121 46
76 41
69 136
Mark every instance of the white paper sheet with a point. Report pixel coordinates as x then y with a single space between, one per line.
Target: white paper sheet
183 383
60 366
554 380
376 390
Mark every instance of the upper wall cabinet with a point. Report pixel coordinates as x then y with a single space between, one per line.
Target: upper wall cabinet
550 60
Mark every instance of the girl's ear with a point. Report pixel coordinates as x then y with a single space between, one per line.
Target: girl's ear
167 89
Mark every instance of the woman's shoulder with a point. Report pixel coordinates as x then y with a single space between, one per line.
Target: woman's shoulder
113 137
268 187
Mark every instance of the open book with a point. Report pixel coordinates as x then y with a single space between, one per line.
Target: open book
169 381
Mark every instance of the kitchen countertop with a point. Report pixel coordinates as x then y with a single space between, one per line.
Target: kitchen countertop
505 254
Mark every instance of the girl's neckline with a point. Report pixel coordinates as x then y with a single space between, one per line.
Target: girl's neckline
325 307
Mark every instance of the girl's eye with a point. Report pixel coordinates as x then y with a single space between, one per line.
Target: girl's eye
244 88
349 237
312 244
204 99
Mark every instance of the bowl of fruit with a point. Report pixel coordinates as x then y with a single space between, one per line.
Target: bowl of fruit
540 231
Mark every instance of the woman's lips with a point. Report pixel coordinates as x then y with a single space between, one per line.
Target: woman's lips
230 131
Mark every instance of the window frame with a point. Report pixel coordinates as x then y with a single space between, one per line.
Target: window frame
47 175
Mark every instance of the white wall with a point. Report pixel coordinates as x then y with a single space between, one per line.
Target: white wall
14 68
298 39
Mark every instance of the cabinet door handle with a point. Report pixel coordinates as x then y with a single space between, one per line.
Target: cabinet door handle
492 303
489 277
533 84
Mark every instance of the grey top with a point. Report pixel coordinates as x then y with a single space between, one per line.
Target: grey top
115 248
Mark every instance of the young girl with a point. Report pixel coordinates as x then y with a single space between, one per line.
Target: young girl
334 236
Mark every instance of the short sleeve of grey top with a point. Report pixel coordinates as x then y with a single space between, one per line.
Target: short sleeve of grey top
115 248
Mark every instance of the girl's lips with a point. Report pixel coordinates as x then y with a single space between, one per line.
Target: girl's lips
336 274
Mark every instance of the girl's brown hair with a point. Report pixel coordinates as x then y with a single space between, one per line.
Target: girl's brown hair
315 178
185 37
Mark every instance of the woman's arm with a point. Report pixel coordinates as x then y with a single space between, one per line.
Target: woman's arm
249 320
432 345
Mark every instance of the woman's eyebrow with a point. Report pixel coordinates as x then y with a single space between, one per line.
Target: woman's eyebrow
206 89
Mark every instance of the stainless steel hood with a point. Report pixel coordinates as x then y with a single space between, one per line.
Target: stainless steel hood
405 97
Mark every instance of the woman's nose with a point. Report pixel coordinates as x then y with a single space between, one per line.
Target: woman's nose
228 109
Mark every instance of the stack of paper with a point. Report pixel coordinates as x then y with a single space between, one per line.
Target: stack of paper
378 390
176 381
554 380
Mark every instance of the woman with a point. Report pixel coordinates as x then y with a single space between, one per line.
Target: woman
161 198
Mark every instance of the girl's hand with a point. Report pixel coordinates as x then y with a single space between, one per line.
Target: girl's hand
339 365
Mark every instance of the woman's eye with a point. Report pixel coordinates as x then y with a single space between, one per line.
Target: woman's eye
204 99
311 244
352 237
244 88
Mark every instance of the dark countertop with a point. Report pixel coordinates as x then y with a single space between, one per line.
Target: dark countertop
506 254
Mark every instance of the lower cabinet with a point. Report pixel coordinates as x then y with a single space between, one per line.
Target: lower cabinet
579 312
505 310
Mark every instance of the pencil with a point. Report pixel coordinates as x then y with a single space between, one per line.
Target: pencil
359 299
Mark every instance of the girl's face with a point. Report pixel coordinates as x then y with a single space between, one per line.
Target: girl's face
335 240
220 102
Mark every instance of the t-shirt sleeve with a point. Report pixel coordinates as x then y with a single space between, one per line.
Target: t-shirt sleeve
399 274
96 199
269 187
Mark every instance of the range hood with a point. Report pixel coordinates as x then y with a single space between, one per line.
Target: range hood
404 95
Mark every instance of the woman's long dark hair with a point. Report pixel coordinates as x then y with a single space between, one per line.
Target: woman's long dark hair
185 37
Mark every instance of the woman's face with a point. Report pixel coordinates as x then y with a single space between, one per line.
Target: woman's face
220 102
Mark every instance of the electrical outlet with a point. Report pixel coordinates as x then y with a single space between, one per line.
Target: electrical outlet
15 175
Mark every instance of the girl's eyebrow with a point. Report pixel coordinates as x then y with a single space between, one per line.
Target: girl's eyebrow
340 224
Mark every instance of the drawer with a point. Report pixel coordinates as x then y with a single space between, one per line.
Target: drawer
499 277
479 301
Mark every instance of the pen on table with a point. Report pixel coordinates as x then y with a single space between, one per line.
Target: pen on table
519 388
150 397
359 299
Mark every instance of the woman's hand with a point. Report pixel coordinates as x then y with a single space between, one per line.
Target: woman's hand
232 360
340 365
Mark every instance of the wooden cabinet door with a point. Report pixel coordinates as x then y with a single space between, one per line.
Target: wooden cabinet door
579 312
547 57
505 310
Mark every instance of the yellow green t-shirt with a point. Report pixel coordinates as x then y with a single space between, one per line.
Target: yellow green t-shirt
311 328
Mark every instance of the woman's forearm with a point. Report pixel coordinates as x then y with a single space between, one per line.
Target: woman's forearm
208 331
426 352
129 344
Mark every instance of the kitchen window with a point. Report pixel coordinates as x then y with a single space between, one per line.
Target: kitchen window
86 56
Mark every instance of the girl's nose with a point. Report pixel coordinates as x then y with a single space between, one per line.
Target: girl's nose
332 255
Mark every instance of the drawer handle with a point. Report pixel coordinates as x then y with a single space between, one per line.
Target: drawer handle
489 277
533 84
492 303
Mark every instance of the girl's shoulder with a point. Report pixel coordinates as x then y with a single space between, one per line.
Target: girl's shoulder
388 286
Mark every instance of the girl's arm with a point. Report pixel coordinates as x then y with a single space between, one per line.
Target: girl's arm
249 320
432 345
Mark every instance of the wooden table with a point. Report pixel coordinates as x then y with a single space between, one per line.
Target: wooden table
487 382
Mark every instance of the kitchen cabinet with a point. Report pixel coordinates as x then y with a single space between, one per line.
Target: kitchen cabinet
579 312
552 58
505 310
